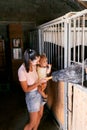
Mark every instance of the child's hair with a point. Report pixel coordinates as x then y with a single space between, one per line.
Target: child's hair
29 54
43 56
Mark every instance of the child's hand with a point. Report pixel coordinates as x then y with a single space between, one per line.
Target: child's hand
49 68
43 80
49 65
48 78
86 70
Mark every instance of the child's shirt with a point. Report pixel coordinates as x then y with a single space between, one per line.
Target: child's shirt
42 72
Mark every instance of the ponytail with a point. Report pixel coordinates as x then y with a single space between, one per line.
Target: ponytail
29 54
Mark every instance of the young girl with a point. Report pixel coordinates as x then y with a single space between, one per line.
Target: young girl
43 69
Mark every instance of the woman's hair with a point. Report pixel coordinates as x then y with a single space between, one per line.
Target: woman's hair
29 54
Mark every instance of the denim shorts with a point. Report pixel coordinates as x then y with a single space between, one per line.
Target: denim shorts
34 101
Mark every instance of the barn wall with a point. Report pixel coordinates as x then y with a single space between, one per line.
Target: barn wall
79 111
56 100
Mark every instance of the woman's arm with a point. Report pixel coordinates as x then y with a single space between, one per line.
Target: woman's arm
27 88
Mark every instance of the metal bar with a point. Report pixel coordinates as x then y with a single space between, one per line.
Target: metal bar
69 43
65 85
53 46
57 20
56 47
42 41
78 38
45 42
49 49
74 40
48 45
59 45
78 14
39 35
83 26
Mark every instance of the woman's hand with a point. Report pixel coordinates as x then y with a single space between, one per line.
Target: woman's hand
43 80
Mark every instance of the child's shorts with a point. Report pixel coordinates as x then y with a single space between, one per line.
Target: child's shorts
34 101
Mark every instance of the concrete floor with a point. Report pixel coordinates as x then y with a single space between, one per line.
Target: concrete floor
14 115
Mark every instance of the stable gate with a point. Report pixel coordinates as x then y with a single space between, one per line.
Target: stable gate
64 40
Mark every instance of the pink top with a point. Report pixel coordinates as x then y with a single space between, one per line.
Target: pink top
30 77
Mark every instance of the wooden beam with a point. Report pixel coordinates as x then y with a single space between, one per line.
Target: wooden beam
83 2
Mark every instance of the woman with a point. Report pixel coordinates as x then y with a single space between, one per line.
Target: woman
28 78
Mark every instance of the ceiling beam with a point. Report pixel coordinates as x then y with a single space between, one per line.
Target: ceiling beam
83 2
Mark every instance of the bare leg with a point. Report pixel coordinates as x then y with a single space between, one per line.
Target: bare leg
40 114
41 90
43 86
33 120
